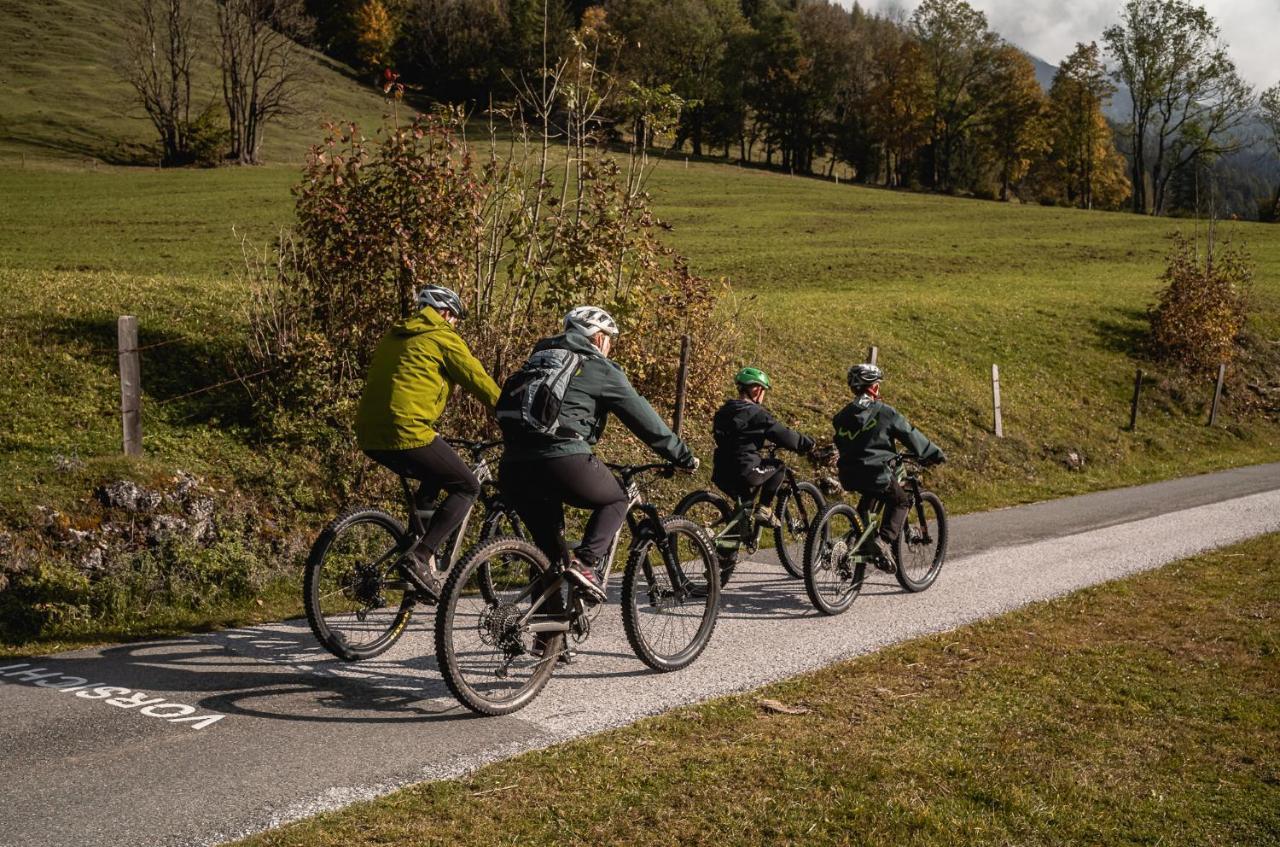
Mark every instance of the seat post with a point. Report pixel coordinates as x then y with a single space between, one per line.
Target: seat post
411 502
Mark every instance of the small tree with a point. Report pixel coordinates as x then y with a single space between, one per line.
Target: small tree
261 67
1199 316
1269 110
159 49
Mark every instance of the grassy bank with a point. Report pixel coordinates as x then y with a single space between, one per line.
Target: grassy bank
1140 712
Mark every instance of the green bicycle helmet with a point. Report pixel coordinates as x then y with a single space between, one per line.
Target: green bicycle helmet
752 376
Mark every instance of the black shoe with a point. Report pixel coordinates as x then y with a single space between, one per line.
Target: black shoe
420 571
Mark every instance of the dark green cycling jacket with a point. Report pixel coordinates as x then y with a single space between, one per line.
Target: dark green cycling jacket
599 388
866 432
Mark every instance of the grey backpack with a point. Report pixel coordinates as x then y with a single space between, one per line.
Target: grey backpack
532 396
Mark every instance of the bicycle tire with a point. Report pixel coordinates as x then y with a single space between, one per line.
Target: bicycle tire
720 512
818 552
796 521
454 667
903 552
350 586
644 577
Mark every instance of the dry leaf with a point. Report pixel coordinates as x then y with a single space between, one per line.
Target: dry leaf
782 708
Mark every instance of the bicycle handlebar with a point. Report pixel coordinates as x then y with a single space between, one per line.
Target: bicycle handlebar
629 471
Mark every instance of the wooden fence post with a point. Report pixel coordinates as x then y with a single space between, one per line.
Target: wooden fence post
995 400
1137 392
1217 394
872 352
130 384
682 378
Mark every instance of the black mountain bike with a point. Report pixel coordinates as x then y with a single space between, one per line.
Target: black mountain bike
840 545
503 621
357 600
735 533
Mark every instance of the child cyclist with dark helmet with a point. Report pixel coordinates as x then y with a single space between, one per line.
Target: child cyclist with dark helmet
866 433
741 428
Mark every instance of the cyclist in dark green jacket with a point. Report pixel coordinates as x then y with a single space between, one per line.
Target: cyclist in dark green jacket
540 474
866 433
413 371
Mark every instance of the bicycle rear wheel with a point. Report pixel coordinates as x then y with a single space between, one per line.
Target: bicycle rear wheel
711 512
921 547
831 580
356 602
491 663
797 509
669 621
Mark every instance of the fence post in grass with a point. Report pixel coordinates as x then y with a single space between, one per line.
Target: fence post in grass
682 378
1217 394
995 400
1137 393
872 352
130 384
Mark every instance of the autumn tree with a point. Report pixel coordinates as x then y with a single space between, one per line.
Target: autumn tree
161 45
1186 97
1083 167
374 33
1013 114
898 105
1269 111
958 49
262 67
458 49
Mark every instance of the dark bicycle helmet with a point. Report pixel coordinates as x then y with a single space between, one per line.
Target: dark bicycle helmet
438 297
863 376
752 376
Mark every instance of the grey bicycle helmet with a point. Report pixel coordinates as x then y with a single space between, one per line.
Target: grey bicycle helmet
589 320
863 376
438 297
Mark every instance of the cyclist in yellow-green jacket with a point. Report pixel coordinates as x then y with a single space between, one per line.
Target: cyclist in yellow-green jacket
413 371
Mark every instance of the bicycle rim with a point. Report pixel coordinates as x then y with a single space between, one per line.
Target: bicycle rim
796 510
921 548
669 623
356 603
490 663
831 579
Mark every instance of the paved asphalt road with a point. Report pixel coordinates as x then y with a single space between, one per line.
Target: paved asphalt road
200 739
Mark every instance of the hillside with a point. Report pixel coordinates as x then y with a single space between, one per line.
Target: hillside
61 98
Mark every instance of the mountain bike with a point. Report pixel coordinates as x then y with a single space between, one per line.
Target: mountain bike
840 545
358 603
503 621
735 532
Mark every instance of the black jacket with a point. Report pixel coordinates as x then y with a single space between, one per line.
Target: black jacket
598 388
866 432
741 428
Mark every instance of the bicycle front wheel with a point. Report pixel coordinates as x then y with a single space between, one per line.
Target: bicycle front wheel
796 510
500 519
831 578
921 547
489 659
671 597
356 602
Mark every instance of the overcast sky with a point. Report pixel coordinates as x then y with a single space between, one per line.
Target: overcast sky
1051 28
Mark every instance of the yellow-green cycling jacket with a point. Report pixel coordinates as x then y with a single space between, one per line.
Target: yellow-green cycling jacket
414 368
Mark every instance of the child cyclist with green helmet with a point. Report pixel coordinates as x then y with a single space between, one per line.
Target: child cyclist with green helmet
741 428
867 431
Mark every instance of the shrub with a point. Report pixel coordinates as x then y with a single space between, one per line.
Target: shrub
520 234
1199 316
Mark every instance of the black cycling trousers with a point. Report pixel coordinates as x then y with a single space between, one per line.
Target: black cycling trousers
438 468
768 477
897 507
539 491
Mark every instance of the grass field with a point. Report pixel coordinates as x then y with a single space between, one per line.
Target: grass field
1139 712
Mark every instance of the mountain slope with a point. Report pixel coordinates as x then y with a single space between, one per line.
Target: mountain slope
60 95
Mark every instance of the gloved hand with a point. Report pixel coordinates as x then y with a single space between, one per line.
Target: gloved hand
692 465
806 445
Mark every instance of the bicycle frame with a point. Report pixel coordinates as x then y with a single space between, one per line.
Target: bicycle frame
730 537
872 508
419 519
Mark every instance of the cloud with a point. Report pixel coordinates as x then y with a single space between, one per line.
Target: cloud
1051 28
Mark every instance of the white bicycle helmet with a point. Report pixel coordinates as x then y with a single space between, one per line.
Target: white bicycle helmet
589 320
438 297
863 376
